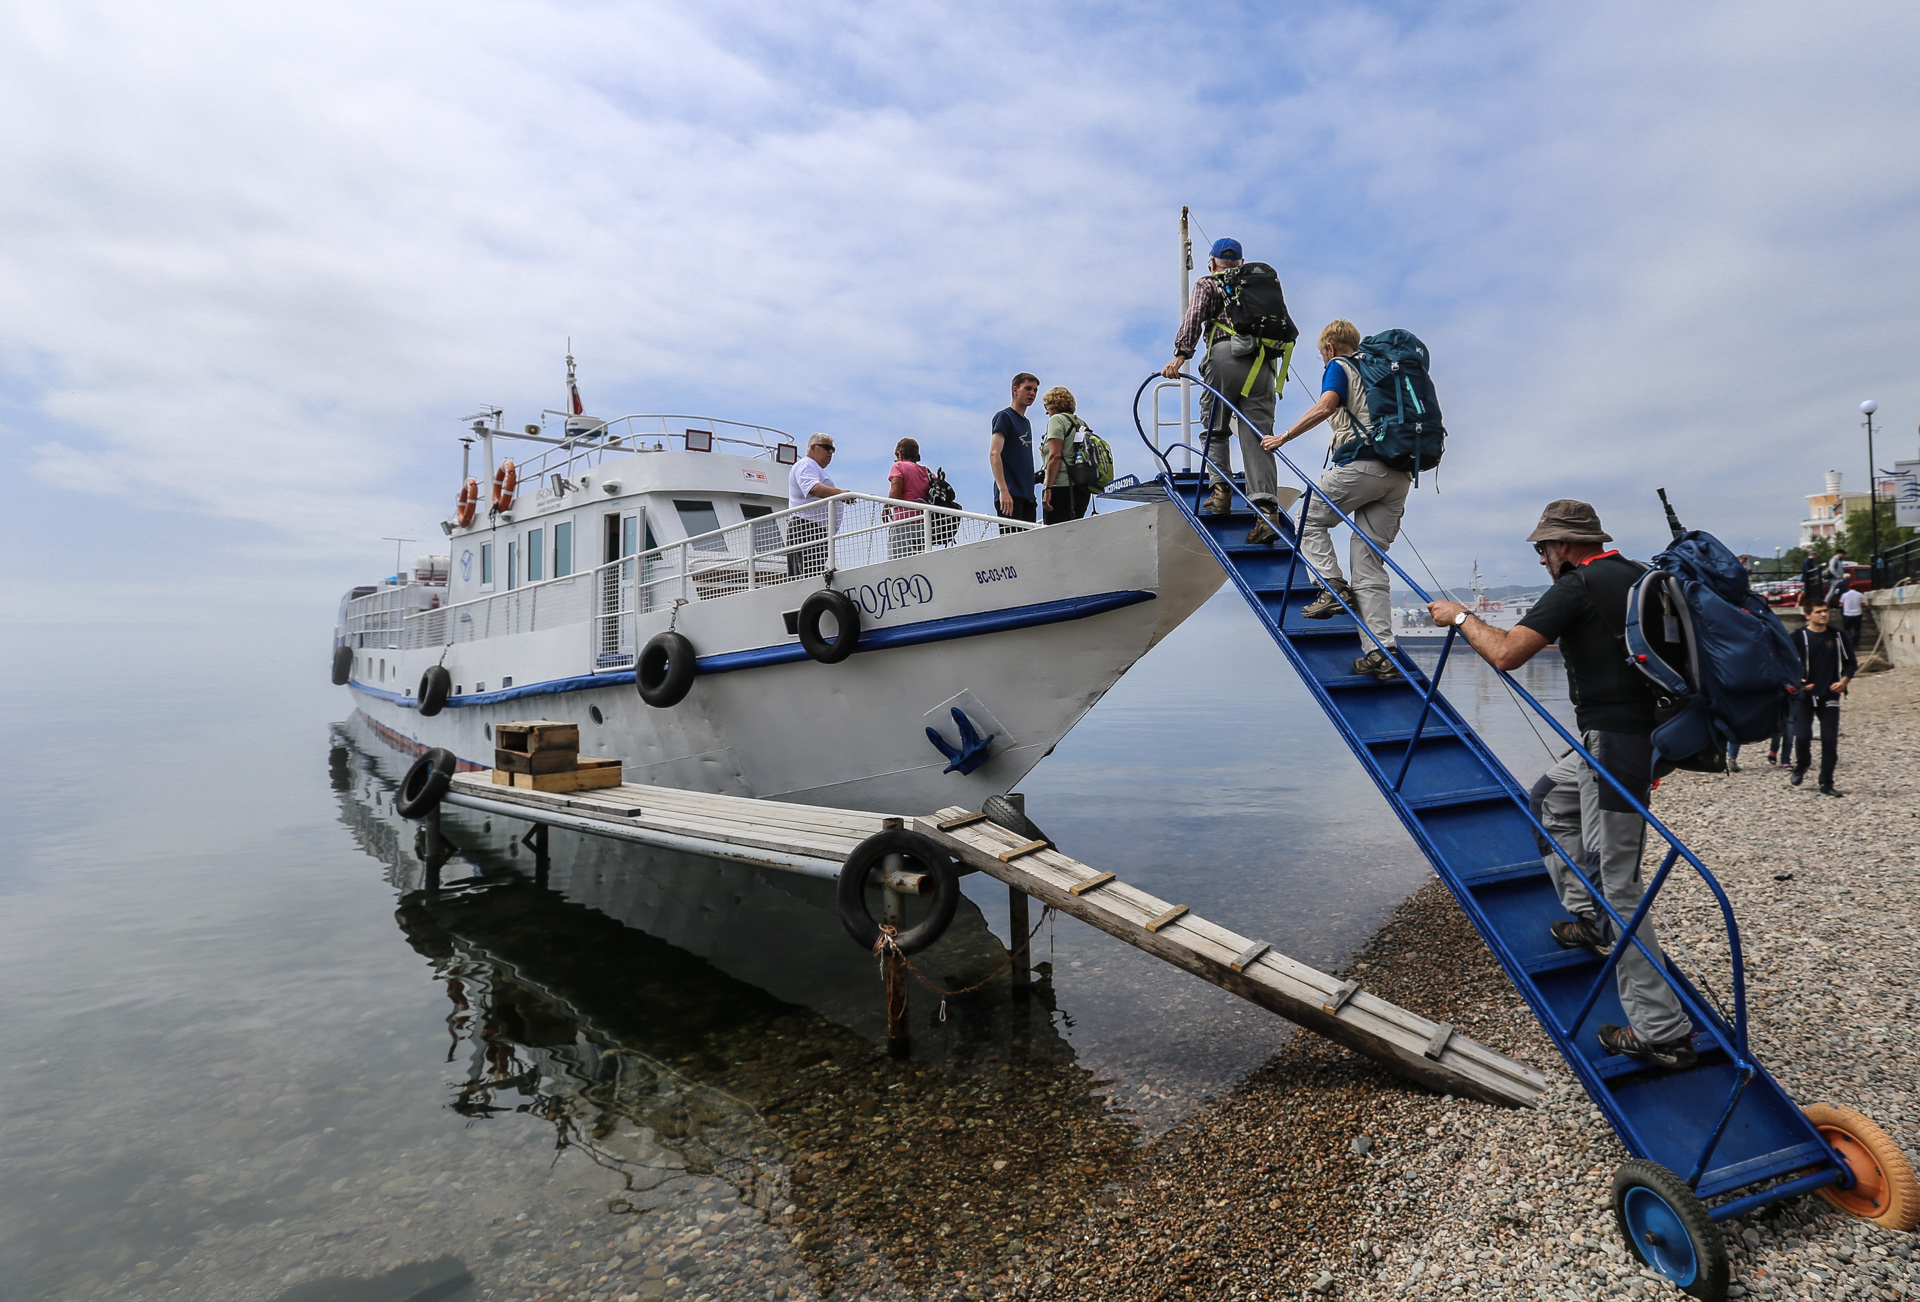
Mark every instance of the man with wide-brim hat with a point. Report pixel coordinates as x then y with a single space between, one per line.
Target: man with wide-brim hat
1598 827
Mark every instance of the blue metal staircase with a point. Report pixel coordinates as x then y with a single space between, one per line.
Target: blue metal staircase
1724 1126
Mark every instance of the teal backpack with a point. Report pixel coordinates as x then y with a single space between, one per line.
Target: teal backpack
1403 428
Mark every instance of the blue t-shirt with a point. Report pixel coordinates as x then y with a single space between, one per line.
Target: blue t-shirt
1335 380
1016 454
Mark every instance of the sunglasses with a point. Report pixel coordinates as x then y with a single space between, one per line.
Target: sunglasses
1540 549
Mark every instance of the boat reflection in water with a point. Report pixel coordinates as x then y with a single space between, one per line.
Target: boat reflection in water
694 1026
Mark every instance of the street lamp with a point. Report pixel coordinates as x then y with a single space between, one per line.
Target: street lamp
1867 408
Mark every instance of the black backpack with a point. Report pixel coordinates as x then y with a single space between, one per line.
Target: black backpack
1255 307
940 493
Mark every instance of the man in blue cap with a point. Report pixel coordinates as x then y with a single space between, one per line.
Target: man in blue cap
1229 366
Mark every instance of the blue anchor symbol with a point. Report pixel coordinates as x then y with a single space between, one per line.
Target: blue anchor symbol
972 751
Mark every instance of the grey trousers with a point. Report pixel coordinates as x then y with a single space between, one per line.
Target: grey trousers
1228 373
1608 842
1374 496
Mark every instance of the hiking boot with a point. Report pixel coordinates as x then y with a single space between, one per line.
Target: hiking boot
1326 605
1733 766
1675 1054
1797 776
1579 933
1219 501
1262 532
1379 666
1829 791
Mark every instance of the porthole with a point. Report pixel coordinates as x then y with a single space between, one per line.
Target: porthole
593 712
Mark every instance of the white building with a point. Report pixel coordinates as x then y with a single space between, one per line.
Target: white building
1827 512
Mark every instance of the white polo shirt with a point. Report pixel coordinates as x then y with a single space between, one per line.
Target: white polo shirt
1850 602
805 474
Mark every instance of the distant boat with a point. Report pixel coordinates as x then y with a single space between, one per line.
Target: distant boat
1413 623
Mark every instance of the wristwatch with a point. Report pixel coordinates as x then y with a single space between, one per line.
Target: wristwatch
1460 619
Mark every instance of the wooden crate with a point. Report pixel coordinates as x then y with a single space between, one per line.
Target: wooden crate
531 736
539 761
592 774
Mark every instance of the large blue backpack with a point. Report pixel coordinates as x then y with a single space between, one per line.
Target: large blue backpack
1403 414
1713 648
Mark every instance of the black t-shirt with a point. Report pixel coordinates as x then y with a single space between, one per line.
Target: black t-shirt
1609 695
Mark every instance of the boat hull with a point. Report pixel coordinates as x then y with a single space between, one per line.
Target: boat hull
1023 633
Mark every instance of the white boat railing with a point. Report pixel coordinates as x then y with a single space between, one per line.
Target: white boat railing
800 543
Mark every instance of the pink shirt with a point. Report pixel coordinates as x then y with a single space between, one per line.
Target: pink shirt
914 479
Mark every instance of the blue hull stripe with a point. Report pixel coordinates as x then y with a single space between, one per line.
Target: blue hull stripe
871 639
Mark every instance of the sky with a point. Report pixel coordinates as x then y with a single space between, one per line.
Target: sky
257 263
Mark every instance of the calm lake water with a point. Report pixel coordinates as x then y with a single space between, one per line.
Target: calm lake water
254 1052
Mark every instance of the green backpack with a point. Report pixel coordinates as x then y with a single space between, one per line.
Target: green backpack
1091 464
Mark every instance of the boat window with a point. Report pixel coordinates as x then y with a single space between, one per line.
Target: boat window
486 565
699 518
536 555
562 549
513 565
766 537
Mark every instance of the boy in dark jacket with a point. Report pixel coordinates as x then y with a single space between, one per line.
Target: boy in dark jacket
1827 665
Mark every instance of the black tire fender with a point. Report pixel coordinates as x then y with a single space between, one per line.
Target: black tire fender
921 854
1001 813
435 685
665 671
342 665
847 615
426 782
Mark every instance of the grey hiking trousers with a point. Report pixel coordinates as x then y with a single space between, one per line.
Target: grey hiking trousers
1572 803
1374 496
1228 373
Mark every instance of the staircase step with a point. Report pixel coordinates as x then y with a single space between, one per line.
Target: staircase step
1559 960
1449 799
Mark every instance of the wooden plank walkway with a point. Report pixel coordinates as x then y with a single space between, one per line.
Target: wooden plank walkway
816 841
1432 1053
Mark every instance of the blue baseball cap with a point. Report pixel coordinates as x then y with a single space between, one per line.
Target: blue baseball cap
1226 249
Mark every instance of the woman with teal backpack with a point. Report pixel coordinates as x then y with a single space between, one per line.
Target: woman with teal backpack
1078 463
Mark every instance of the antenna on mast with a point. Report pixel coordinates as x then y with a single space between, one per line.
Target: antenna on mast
1186 386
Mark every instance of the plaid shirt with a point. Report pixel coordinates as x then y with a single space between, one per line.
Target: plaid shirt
1208 301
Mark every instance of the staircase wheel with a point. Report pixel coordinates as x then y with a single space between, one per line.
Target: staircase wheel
1884 1189
919 854
1000 812
435 684
1669 1229
426 782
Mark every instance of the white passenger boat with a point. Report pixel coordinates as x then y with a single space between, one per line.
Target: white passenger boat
1413 622
619 531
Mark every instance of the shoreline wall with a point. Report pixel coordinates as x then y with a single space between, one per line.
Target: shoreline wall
1897 611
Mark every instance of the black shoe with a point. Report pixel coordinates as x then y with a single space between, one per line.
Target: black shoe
1733 766
1326 605
1379 666
1579 933
1797 776
1829 791
1676 1054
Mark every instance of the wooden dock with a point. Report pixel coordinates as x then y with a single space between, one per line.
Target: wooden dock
1432 1053
816 842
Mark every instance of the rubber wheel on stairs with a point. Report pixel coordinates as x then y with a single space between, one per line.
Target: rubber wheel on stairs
1884 1189
1669 1229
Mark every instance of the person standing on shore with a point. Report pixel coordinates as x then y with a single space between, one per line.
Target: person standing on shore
1244 369
1836 575
1372 493
1585 611
1826 667
1851 604
1010 453
1809 583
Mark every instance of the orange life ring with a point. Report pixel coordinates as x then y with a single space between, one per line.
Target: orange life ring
505 480
468 504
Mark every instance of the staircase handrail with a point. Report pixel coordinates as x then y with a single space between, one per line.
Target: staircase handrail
1736 1049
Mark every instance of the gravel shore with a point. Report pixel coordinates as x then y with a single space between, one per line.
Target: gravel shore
1325 1176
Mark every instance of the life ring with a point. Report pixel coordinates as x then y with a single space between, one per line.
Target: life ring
425 783
665 671
846 616
505 480
919 853
342 665
468 503
435 685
